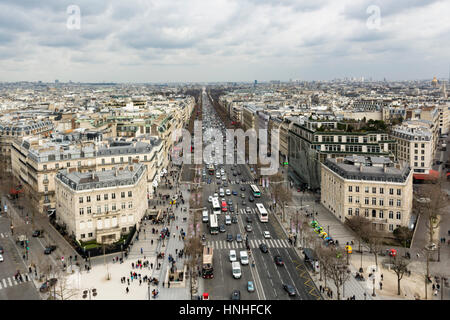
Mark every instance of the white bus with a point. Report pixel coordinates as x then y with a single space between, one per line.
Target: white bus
216 206
262 213
213 224
255 190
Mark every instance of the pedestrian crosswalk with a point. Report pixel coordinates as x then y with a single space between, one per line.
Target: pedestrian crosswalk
3 235
11 281
270 243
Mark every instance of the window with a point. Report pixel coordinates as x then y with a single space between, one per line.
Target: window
106 208
356 199
356 189
123 205
381 214
349 211
391 227
99 209
79 163
121 159
381 190
80 199
374 213
56 165
367 189
130 204
422 164
81 211
366 213
374 190
423 145
399 215
350 188
399 203
145 158
391 214
45 188
45 167
415 164
82 236
129 159
356 211
105 196
350 199
422 158
391 202
88 210
130 194
113 207
113 195
391 191
98 197
103 161
381 202
113 160
374 201
422 151
88 198
366 200
90 234
68 164
122 194
399 192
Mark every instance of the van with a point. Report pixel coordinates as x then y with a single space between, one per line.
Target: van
227 220
236 270
221 192
205 217
233 256
244 257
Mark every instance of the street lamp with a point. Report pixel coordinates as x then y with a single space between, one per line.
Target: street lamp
91 290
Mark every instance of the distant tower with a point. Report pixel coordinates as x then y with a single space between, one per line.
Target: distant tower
256 82
444 90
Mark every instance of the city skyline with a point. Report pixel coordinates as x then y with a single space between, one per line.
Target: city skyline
203 41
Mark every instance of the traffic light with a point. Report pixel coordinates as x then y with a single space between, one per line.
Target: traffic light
28 248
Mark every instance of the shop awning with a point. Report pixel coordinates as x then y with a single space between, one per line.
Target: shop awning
432 175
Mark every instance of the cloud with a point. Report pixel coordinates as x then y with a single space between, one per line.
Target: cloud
142 40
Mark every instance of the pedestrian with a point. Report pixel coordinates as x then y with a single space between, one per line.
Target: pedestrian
320 288
163 284
140 281
127 290
418 255
168 284
434 287
381 277
151 265
381 286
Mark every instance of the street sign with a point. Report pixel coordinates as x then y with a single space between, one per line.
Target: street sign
6 208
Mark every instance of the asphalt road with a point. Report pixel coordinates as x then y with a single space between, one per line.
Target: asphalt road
267 277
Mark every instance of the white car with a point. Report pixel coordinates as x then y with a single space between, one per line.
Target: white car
224 178
266 234
233 256
1 258
228 192
216 195
210 199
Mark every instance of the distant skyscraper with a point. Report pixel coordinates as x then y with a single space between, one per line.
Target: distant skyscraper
256 82
56 81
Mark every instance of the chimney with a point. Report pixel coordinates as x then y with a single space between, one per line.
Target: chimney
131 168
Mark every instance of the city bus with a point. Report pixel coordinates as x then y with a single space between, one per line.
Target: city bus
255 190
216 205
213 224
211 169
207 265
262 213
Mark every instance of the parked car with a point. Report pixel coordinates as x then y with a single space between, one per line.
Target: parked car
47 285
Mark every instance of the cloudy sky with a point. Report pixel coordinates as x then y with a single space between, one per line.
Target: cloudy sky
223 40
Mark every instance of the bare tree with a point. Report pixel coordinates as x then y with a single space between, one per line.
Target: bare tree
280 193
336 267
374 239
64 289
400 267
360 225
430 204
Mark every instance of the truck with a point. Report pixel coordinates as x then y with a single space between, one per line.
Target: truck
207 263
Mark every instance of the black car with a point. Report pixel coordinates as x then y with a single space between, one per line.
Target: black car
251 199
263 248
229 237
234 219
242 188
47 285
49 249
243 180
278 260
37 233
236 295
222 228
249 219
289 289
231 209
